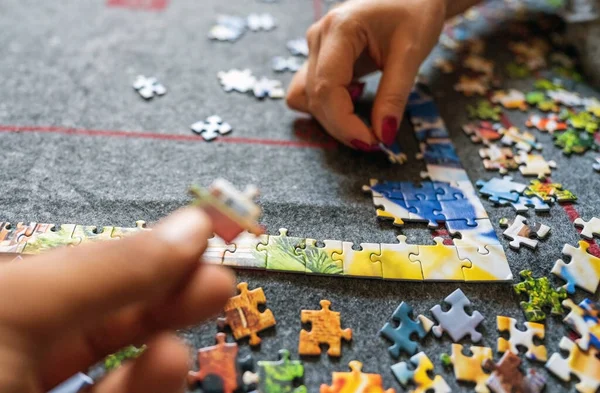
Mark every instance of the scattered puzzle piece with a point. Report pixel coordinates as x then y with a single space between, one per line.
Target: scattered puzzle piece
506 376
355 381
470 86
534 165
282 64
585 365
420 375
521 338
279 376
596 165
498 158
585 320
469 368
549 192
565 97
582 121
484 131
520 233
541 294
484 110
590 228
582 271
211 128
479 64
522 205
548 106
440 262
402 328
535 97
228 28
325 329
298 47
501 188
444 65
573 141
517 71
513 99
521 140
147 88
550 123
456 322
265 87
258 22
243 316
221 361
241 81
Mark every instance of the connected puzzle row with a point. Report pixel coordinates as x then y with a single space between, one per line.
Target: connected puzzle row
476 256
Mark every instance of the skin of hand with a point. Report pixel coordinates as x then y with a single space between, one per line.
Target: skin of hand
64 310
359 37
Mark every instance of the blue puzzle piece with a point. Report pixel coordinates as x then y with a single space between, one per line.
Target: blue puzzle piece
441 153
74 384
426 211
422 192
459 209
501 188
401 335
524 203
446 192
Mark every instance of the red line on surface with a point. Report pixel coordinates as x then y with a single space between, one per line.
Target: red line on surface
169 137
317 9
152 5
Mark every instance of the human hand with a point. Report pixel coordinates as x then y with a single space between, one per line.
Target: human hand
62 311
355 39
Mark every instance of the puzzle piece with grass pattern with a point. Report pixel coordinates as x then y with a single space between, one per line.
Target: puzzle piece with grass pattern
484 110
541 295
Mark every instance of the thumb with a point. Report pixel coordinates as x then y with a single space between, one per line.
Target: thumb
392 94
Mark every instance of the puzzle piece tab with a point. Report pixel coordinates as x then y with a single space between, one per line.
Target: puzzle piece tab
420 375
456 322
402 328
355 381
521 338
534 165
518 231
584 365
541 294
469 368
582 271
326 328
243 316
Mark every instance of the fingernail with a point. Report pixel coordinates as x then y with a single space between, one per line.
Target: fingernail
360 145
389 129
186 226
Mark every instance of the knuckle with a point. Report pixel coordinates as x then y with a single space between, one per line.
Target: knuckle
320 89
311 34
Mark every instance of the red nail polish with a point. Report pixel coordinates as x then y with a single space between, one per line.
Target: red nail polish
360 145
389 130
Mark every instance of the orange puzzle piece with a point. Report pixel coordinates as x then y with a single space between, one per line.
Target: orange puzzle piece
355 381
242 314
219 360
326 329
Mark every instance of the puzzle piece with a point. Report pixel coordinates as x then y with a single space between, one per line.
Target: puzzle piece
564 97
546 85
358 263
444 65
279 376
298 47
420 375
470 86
522 205
13 238
282 252
77 383
243 316
258 22
573 141
521 140
506 376
51 238
489 264
483 131
326 328
282 64
228 28
402 328
520 233
230 210
265 87
501 188
440 262
395 261
468 368
596 165
147 88
517 71
120 232
548 106
211 128
549 192
219 361
513 99
355 382
215 250
583 121
549 124
498 158
535 97
541 294
320 260
245 253
534 165
425 211
241 81
582 271
393 152
521 338
479 64
462 209
584 365
590 228
592 105
585 320
456 322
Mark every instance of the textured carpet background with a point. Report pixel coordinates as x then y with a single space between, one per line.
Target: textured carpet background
71 64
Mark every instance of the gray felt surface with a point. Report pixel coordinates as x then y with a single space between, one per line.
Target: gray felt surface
71 64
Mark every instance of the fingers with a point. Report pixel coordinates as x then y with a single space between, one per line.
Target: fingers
396 82
162 368
88 282
296 97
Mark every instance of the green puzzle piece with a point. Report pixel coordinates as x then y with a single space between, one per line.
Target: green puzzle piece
279 376
517 71
541 294
581 121
545 84
115 360
573 141
484 110
547 106
535 97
